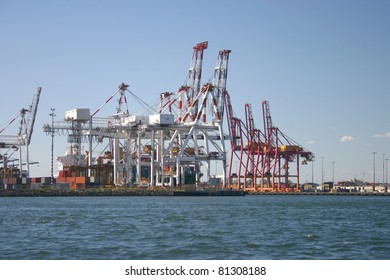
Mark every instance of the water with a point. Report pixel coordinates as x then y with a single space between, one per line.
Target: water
251 227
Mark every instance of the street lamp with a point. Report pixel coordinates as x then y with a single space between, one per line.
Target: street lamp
383 170
373 184
52 115
312 171
333 171
322 172
387 163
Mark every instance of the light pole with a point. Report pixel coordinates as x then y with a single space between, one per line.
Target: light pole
387 163
373 184
52 115
383 170
322 172
333 171
312 171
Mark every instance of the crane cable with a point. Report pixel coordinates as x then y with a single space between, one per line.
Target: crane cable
10 122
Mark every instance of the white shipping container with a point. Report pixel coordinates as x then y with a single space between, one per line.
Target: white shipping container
77 115
135 120
161 119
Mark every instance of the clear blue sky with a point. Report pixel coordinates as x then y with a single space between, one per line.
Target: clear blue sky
324 66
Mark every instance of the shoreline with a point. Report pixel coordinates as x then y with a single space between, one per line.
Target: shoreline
49 192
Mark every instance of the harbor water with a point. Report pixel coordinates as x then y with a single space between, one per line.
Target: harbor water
251 227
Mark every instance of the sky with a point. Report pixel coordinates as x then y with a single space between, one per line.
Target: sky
324 67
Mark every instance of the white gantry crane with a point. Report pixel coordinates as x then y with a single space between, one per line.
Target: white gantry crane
176 143
15 143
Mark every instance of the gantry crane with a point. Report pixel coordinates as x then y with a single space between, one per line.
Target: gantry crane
23 137
81 127
196 138
263 157
254 151
280 151
201 140
239 136
247 145
184 135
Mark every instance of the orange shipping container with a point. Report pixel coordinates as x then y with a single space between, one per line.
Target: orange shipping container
72 182
61 180
80 180
72 185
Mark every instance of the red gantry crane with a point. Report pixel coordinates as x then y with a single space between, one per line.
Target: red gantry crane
245 149
263 158
280 152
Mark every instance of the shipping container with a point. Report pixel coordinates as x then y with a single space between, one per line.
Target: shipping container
77 114
161 119
80 180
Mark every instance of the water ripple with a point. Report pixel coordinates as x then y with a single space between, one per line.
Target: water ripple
251 227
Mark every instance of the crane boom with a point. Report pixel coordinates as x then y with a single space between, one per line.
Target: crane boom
33 112
220 79
268 126
193 80
195 72
250 123
231 120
